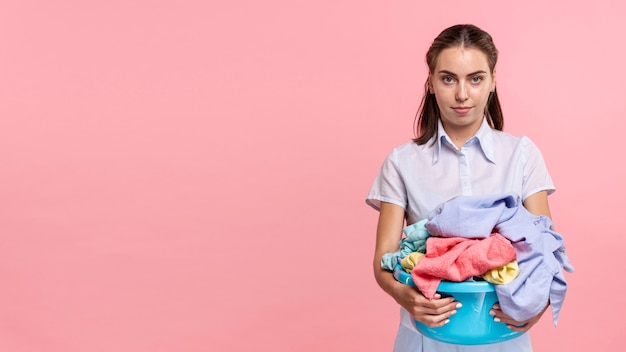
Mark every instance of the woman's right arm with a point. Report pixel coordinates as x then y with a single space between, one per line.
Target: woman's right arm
433 312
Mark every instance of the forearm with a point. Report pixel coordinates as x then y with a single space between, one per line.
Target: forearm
385 279
433 313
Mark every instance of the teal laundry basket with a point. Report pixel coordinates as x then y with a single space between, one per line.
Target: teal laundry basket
472 324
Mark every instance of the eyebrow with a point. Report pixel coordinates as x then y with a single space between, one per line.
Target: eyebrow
446 72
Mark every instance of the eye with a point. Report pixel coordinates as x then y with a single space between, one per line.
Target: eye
477 79
448 79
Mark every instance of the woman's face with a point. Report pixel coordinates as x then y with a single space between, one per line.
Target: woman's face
462 82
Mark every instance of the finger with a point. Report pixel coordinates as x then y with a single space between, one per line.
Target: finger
509 321
437 316
499 317
442 307
438 323
515 325
497 313
437 303
437 320
519 328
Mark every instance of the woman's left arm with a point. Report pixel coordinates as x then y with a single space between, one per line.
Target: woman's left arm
536 204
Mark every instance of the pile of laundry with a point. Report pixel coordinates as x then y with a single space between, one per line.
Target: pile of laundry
494 238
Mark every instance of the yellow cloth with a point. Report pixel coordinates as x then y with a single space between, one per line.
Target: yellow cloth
503 274
408 262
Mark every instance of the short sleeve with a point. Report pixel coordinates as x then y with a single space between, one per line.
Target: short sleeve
389 185
536 176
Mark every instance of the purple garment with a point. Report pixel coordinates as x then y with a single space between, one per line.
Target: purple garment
540 250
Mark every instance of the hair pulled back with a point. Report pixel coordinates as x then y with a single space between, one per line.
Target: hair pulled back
467 36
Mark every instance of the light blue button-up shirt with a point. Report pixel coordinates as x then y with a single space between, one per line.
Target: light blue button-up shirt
419 177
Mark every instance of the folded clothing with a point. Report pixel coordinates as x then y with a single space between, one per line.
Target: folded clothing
502 275
408 262
458 258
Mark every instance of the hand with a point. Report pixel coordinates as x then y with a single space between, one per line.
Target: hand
519 326
431 312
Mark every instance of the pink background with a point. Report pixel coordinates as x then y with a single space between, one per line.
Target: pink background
190 176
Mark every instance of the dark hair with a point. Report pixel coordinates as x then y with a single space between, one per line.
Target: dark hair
463 35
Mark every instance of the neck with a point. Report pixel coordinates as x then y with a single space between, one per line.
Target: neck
461 134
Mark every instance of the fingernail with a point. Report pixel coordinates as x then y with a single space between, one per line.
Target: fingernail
447 321
453 312
492 313
459 305
496 320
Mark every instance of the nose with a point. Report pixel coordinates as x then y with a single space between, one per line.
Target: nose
461 93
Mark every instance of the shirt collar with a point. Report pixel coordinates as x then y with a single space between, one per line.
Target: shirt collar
484 137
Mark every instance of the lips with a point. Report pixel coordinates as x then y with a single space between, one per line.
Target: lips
462 110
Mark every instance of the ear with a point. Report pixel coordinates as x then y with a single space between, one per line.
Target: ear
430 84
493 80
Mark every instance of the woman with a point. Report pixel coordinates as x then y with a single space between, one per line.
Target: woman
460 149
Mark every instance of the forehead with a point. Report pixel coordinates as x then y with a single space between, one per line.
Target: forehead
462 60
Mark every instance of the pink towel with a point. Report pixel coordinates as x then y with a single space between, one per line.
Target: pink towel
458 258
